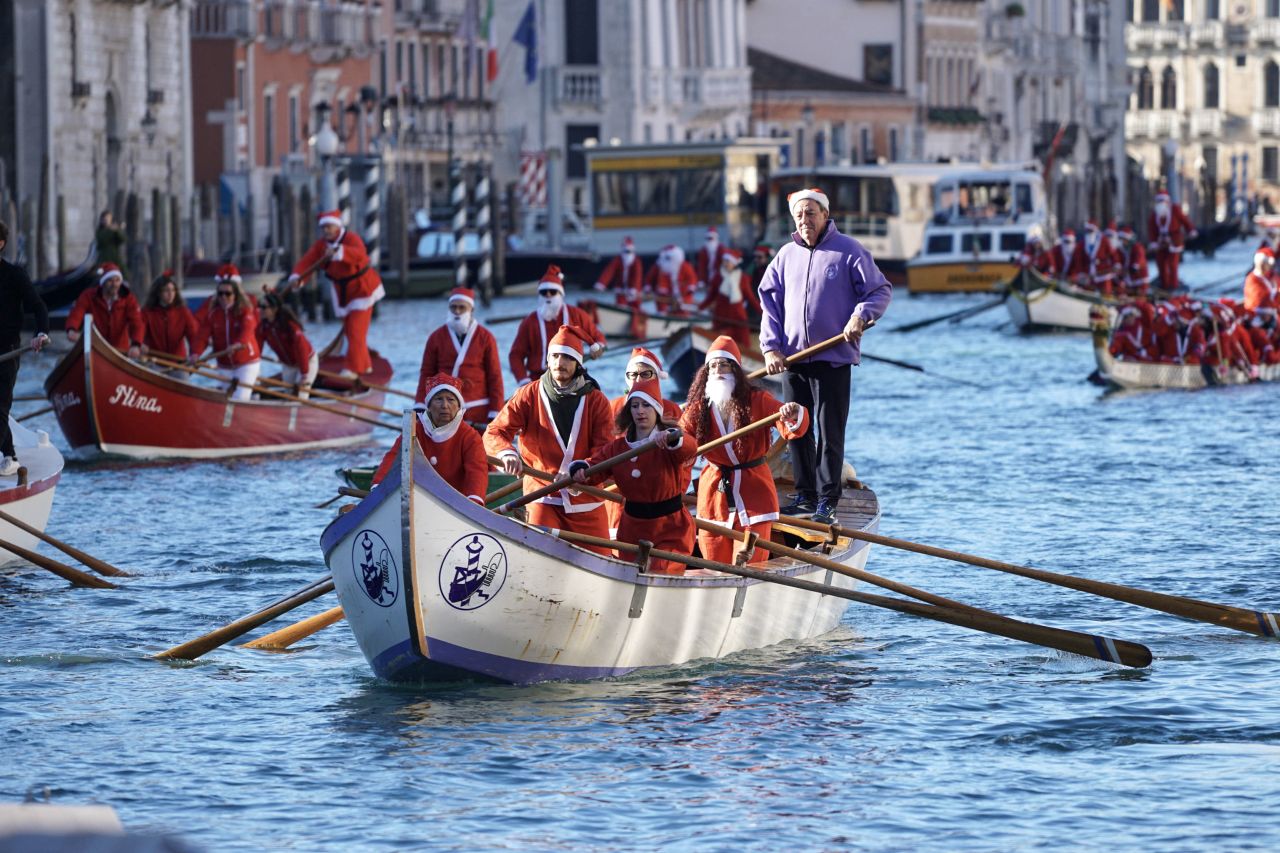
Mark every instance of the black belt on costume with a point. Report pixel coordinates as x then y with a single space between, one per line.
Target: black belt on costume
653 509
750 463
343 280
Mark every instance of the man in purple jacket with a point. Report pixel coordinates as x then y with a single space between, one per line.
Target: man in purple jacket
819 285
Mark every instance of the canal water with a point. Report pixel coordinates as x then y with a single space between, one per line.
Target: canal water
891 733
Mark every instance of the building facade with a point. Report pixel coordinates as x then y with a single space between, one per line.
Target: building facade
96 92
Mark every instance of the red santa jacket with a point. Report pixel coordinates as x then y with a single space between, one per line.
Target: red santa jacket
528 356
458 457
755 497
287 340
528 415
1260 291
735 302
1133 267
1060 260
356 283
661 286
706 266
628 282
228 327
1129 343
1168 233
1183 345
1098 267
169 330
1035 257
120 322
474 362
1262 344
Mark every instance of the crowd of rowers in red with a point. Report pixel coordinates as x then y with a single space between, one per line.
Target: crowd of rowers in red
565 424
1112 261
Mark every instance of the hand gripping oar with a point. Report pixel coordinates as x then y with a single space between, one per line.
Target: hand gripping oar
100 566
1257 622
193 649
568 483
802 355
62 570
1073 642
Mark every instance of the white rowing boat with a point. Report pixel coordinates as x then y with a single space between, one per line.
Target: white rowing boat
436 587
28 495
1037 303
621 322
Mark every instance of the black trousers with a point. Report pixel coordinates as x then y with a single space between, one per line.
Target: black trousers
8 376
823 389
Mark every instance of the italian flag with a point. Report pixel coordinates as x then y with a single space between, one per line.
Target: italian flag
491 44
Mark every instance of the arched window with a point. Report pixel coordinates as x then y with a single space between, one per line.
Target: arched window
1271 85
1212 10
1146 90
1168 89
1150 10
1211 86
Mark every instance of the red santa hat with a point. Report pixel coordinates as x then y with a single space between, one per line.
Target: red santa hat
1162 195
1128 313
552 279
443 382
648 390
628 245
641 357
1264 254
1091 225
463 294
724 347
570 341
227 272
732 259
1069 234
330 217
109 271
762 249
1110 230
713 236
808 193
1125 232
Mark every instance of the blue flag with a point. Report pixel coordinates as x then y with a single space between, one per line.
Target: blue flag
527 36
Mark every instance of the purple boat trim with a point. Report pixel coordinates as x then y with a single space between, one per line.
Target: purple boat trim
450 662
349 521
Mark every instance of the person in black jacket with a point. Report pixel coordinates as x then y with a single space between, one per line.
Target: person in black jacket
17 298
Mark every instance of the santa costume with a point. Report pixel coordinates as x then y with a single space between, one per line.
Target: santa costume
1168 230
641 358
528 355
233 330
728 299
624 274
464 349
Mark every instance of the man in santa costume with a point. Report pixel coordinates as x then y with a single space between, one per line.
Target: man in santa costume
736 487
1133 271
1168 230
624 274
528 356
1180 340
672 281
1260 284
652 483
1262 333
1062 253
115 311
728 299
464 349
1094 263
356 286
453 449
561 417
643 366
1129 341
707 262
1035 257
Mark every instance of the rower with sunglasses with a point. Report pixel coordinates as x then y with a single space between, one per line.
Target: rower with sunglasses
528 355
231 322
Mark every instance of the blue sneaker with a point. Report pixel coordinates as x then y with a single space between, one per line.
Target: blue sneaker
826 511
799 505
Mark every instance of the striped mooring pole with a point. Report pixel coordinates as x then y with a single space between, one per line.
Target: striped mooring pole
458 181
371 229
484 227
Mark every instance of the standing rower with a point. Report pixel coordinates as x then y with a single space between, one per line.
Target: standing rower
18 297
1168 230
356 286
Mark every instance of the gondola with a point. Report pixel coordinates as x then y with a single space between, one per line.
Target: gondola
435 587
28 495
107 404
1037 303
621 322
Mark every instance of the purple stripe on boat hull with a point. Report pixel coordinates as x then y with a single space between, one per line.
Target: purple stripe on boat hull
450 663
349 521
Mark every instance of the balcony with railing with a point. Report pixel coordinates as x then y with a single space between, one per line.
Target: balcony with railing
1206 122
1208 34
1266 31
1155 36
225 19
1266 122
1151 124
579 85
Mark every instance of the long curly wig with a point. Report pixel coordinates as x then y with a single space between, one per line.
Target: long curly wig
698 409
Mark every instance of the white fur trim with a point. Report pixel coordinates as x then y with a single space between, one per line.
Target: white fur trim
801 195
564 350
110 274
331 220
458 297
657 405
712 355
639 359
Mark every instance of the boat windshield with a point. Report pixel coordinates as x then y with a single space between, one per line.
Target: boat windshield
969 201
861 205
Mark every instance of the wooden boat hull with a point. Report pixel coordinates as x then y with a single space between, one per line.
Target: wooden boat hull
619 322
1149 375
435 587
958 276
31 502
686 350
1037 303
107 404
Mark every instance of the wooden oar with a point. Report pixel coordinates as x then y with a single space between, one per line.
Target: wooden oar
100 566
1257 622
287 636
325 395
909 366
273 393
10 356
62 570
1073 642
37 413
802 355
193 649
29 398
568 483
955 316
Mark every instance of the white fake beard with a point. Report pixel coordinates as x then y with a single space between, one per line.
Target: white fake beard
460 324
549 307
628 258
720 388
1162 209
1069 248
730 284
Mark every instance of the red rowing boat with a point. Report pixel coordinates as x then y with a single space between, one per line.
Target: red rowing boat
108 404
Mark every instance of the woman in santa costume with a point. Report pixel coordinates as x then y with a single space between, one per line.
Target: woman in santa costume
736 487
1168 230
465 349
728 298
170 327
652 483
562 417
356 286
282 330
528 356
454 450
232 324
114 309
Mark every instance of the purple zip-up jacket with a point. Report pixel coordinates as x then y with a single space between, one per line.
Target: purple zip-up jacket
808 295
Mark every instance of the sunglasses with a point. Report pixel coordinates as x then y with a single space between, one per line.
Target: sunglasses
643 374
226 293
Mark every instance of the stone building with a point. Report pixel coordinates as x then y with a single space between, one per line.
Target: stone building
96 92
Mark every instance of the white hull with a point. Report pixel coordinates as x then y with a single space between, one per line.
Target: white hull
1141 374
31 503
617 322
536 608
1036 302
